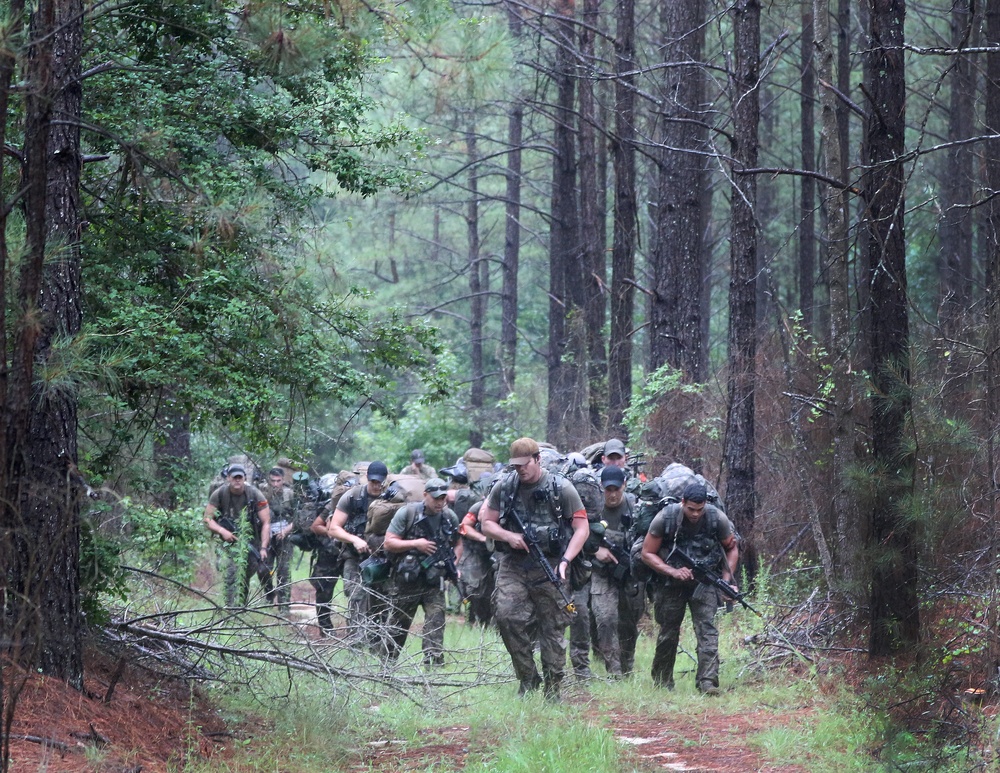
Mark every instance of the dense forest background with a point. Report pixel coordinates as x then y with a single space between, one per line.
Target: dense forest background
758 240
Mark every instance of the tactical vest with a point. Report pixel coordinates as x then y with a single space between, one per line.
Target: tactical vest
703 546
248 514
357 514
544 513
283 509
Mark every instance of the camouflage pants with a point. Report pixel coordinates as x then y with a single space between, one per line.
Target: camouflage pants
579 633
238 572
325 573
404 600
280 555
670 602
527 608
616 609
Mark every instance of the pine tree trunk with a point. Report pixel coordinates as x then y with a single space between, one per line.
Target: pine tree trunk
678 263
42 621
626 218
895 618
740 431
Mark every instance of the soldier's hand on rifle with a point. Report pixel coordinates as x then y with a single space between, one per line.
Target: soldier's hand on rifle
605 556
681 573
360 545
227 536
425 546
516 541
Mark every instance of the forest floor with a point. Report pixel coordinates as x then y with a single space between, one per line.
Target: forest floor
130 722
150 727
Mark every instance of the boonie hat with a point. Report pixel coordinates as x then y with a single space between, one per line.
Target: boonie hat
377 471
612 476
237 469
614 446
522 450
436 487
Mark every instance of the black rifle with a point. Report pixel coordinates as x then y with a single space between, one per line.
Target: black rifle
636 461
444 554
264 569
621 570
708 577
535 550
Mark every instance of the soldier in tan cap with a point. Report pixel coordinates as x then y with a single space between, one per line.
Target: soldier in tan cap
554 515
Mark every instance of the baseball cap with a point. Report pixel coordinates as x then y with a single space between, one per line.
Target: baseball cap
522 450
237 469
436 487
614 446
377 471
612 476
417 455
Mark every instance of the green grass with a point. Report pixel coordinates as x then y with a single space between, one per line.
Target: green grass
313 724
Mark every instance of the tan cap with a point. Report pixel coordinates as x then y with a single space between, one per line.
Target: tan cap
522 450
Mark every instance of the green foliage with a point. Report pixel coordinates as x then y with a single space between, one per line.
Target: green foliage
101 577
648 396
168 541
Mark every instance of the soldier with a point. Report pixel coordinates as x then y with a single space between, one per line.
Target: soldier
350 516
422 538
234 510
616 597
281 500
418 467
705 533
525 601
476 568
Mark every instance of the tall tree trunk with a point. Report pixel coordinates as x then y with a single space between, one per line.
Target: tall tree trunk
957 180
42 622
895 618
477 299
844 513
678 263
626 221
992 300
567 349
591 230
512 230
807 209
740 432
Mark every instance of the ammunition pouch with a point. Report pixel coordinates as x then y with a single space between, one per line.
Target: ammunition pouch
409 571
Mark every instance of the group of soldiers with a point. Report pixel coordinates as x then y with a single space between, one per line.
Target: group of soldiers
543 543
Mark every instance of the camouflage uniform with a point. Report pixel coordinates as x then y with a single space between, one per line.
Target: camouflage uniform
478 577
616 600
354 502
282 504
420 587
527 606
702 541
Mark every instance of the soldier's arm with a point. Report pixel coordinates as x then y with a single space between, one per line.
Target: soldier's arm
264 514
335 528
651 558
581 530
490 519
213 526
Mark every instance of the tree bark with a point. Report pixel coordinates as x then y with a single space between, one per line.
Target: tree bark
626 220
477 299
895 618
740 431
42 621
844 513
807 202
592 216
567 349
512 231
678 263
